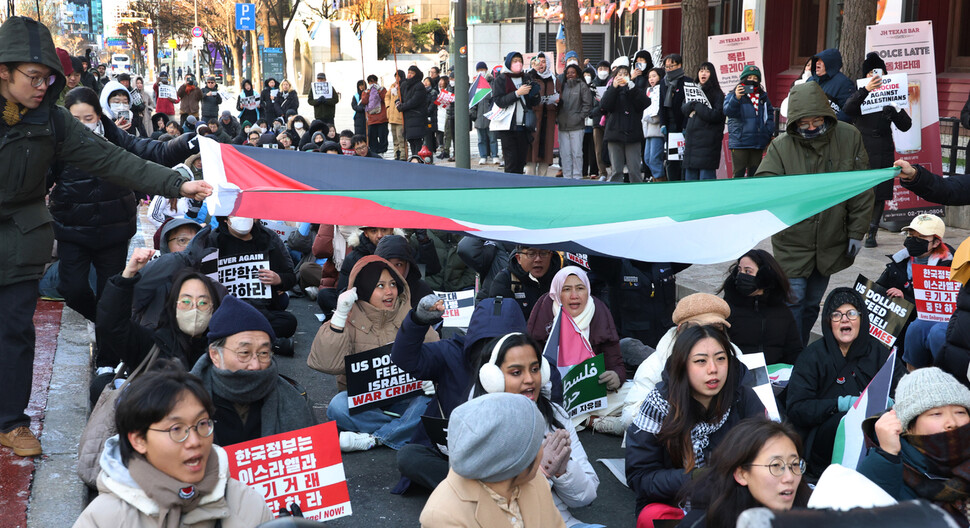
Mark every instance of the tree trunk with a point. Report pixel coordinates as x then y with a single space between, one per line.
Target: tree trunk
254 62
852 44
693 44
574 35
236 49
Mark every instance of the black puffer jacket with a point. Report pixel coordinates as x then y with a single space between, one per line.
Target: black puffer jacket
822 373
94 213
624 108
210 103
877 136
651 472
515 283
763 324
414 106
364 247
704 131
269 109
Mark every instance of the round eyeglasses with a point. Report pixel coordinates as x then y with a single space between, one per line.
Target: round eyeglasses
180 432
777 467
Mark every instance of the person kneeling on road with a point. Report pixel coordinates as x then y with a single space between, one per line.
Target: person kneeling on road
252 400
367 316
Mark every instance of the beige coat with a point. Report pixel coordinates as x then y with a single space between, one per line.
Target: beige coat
458 502
394 116
120 504
367 328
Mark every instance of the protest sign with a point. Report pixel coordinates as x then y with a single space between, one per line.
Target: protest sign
675 146
302 467
458 308
579 259
445 98
581 390
760 382
500 119
437 430
850 445
694 93
167 91
908 48
894 90
887 315
374 381
281 228
730 54
248 103
322 89
936 294
240 275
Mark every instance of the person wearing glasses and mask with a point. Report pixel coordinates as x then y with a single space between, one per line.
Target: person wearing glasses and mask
241 374
832 372
758 464
37 134
527 277
816 248
163 460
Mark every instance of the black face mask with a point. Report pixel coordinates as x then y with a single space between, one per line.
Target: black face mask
916 246
745 284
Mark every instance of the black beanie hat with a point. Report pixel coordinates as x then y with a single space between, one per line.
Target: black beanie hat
603 64
368 277
872 62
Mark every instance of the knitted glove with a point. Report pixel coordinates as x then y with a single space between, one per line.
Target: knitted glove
425 313
345 302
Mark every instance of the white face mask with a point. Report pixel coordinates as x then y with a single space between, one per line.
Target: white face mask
641 66
95 127
602 74
298 125
588 77
193 322
117 108
241 225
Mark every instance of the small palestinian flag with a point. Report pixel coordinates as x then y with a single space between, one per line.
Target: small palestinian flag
478 90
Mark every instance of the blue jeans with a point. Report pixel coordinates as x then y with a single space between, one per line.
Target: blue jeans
699 174
487 143
392 431
924 341
653 156
806 297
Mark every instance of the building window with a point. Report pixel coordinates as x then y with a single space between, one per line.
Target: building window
958 36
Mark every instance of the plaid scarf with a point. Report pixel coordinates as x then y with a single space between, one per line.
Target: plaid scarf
754 100
946 478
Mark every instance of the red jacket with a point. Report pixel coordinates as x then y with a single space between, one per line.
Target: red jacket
165 106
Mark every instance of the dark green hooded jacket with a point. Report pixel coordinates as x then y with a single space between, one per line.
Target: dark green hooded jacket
30 147
820 241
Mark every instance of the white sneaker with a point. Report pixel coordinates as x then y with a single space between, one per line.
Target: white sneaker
609 424
482 161
602 178
311 292
498 161
350 441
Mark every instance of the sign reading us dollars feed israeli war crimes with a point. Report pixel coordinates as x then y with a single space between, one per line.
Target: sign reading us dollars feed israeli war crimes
373 380
887 315
302 467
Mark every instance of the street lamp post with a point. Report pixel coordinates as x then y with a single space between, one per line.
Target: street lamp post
462 138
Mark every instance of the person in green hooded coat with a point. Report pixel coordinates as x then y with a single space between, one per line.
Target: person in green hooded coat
36 133
820 246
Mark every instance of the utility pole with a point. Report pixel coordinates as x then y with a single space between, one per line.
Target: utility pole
195 52
462 138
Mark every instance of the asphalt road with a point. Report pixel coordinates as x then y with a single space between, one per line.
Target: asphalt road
372 474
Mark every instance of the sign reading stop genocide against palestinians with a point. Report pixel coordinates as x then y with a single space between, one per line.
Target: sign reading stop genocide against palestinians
936 294
302 467
373 380
893 90
887 315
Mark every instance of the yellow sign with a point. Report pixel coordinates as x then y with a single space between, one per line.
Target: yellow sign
748 20
172 44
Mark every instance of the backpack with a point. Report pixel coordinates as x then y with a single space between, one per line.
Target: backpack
374 102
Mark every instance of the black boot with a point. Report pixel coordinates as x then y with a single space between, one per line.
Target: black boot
871 237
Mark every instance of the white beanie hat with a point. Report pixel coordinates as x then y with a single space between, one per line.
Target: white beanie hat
621 61
494 437
924 389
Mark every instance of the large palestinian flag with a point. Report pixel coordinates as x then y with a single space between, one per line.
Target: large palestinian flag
701 222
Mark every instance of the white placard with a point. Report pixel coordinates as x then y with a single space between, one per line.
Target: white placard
248 103
322 89
240 275
893 91
458 308
694 93
167 91
675 146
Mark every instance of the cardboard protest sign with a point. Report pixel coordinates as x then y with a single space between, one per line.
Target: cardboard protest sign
248 103
167 91
500 118
936 294
281 228
458 308
581 389
675 146
850 445
893 90
445 98
579 259
759 381
322 89
374 381
887 315
240 275
694 93
302 467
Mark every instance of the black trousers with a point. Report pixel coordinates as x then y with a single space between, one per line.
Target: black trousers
283 322
515 147
424 465
75 265
17 304
414 146
378 137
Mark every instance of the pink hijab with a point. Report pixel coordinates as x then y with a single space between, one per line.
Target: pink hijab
560 278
